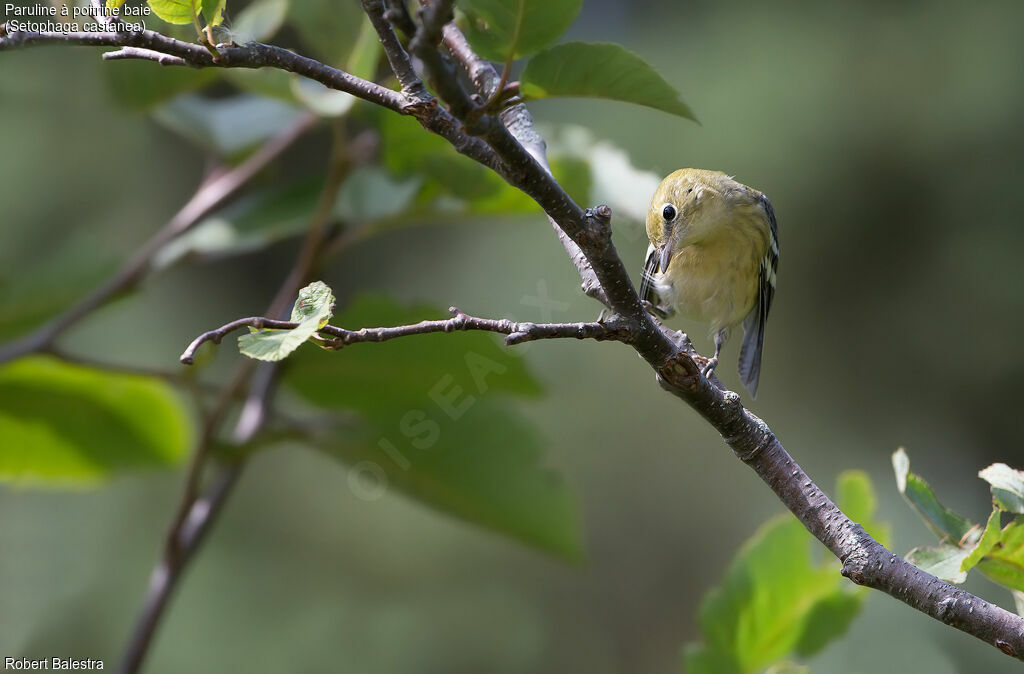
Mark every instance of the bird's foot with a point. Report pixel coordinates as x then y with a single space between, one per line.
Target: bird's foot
709 365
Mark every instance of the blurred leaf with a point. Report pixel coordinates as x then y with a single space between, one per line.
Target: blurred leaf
432 428
942 561
1018 601
311 311
227 126
213 11
856 498
113 4
370 194
66 425
989 539
251 223
260 20
602 70
1005 562
328 27
142 85
1007 487
775 600
499 28
915 490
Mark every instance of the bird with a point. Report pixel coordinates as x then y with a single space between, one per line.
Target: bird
713 258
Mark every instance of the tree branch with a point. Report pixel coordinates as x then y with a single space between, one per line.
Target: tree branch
516 333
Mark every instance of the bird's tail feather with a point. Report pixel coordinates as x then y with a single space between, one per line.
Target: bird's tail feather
750 351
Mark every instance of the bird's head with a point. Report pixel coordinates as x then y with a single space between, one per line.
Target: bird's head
683 210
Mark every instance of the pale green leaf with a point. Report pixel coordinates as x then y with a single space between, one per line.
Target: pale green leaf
990 537
114 4
66 425
213 11
1007 486
328 28
498 29
322 100
139 85
311 311
599 70
366 52
941 520
943 561
1005 562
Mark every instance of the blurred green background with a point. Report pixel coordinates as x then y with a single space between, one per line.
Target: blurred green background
889 138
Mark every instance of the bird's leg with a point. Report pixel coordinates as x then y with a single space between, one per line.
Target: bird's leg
720 338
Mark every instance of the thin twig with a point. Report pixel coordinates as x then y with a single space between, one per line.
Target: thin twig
516 333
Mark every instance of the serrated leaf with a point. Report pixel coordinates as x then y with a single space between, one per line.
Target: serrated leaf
259 21
227 126
141 86
311 311
775 599
989 539
433 428
498 29
941 520
67 425
943 561
1007 487
599 70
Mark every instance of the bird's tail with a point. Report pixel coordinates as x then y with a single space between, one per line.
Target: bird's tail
750 351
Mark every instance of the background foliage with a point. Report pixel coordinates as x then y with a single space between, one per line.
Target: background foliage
888 138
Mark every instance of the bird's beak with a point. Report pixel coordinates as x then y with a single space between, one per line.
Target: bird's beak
665 256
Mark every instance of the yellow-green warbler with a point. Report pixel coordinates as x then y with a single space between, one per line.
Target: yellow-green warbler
713 256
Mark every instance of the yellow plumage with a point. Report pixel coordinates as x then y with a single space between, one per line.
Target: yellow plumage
713 258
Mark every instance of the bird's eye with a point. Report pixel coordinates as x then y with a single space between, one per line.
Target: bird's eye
668 212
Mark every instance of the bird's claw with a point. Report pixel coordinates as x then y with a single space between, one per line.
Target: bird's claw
709 365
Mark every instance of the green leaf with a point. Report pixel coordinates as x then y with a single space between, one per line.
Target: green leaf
177 12
66 425
1005 562
1007 487
213 11
322 100
1018 601
311 311
433 429
141 85
989 539
114 4
915 490
370 194
500 28
943 561
259 21
775 599
227 126
270 82
601 70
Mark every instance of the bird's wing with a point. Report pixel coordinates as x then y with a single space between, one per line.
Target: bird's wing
647 291
753 324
